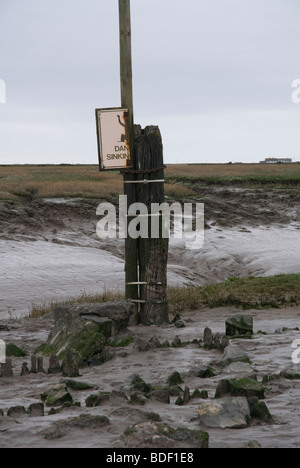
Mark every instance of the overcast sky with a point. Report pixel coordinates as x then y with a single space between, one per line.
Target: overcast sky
215 75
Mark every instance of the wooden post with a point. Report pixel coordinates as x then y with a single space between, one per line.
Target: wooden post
131 245
153 251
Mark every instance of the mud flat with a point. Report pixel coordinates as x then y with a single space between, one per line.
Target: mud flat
270 353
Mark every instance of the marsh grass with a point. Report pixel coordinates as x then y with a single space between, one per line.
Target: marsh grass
246 293
63 181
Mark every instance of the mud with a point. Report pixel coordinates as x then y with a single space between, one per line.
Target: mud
49 250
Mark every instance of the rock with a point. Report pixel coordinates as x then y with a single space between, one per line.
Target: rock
84 329
179 401
33 369
16 412
175 379
70 365
76 385
259 410
224 413
135 382
186 395
208 338
246 387
84 421
138 398
25 370
238 368
252 444
40 365
56 396
203 394
162 395
157 435
36 410
203 372
6 369
176 343
234 353
95 400
290 373
14 351
180 324
239 325
54 367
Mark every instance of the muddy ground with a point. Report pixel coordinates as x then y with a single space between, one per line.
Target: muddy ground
49 250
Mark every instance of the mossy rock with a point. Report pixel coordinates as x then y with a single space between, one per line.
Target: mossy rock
259 410
77 386
175 379
156 435
245 387
85 329
95 400
13 350
239 325
56 396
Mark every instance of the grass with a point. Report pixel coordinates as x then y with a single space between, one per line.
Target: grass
83 181
247 293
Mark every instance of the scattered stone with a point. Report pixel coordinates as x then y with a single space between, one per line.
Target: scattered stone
252 444
176 343
259 410
175 379
224 413
95 400
156 435
290 373
33 369
238 368
234 353
86 328
270 378
186 395
203 372
69 366
179 401
246 387
135 382
162 395
84 421
6 369
36 410
208 338
16 412
54 367
14 351
25 370
56 396
239 325
137 398
203 394
180 324
40 365
76 385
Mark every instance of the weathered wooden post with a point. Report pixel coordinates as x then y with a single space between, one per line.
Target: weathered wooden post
153 250
131 245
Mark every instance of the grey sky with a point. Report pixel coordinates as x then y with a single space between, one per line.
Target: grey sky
214 75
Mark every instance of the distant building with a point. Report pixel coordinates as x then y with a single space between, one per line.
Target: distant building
277 161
